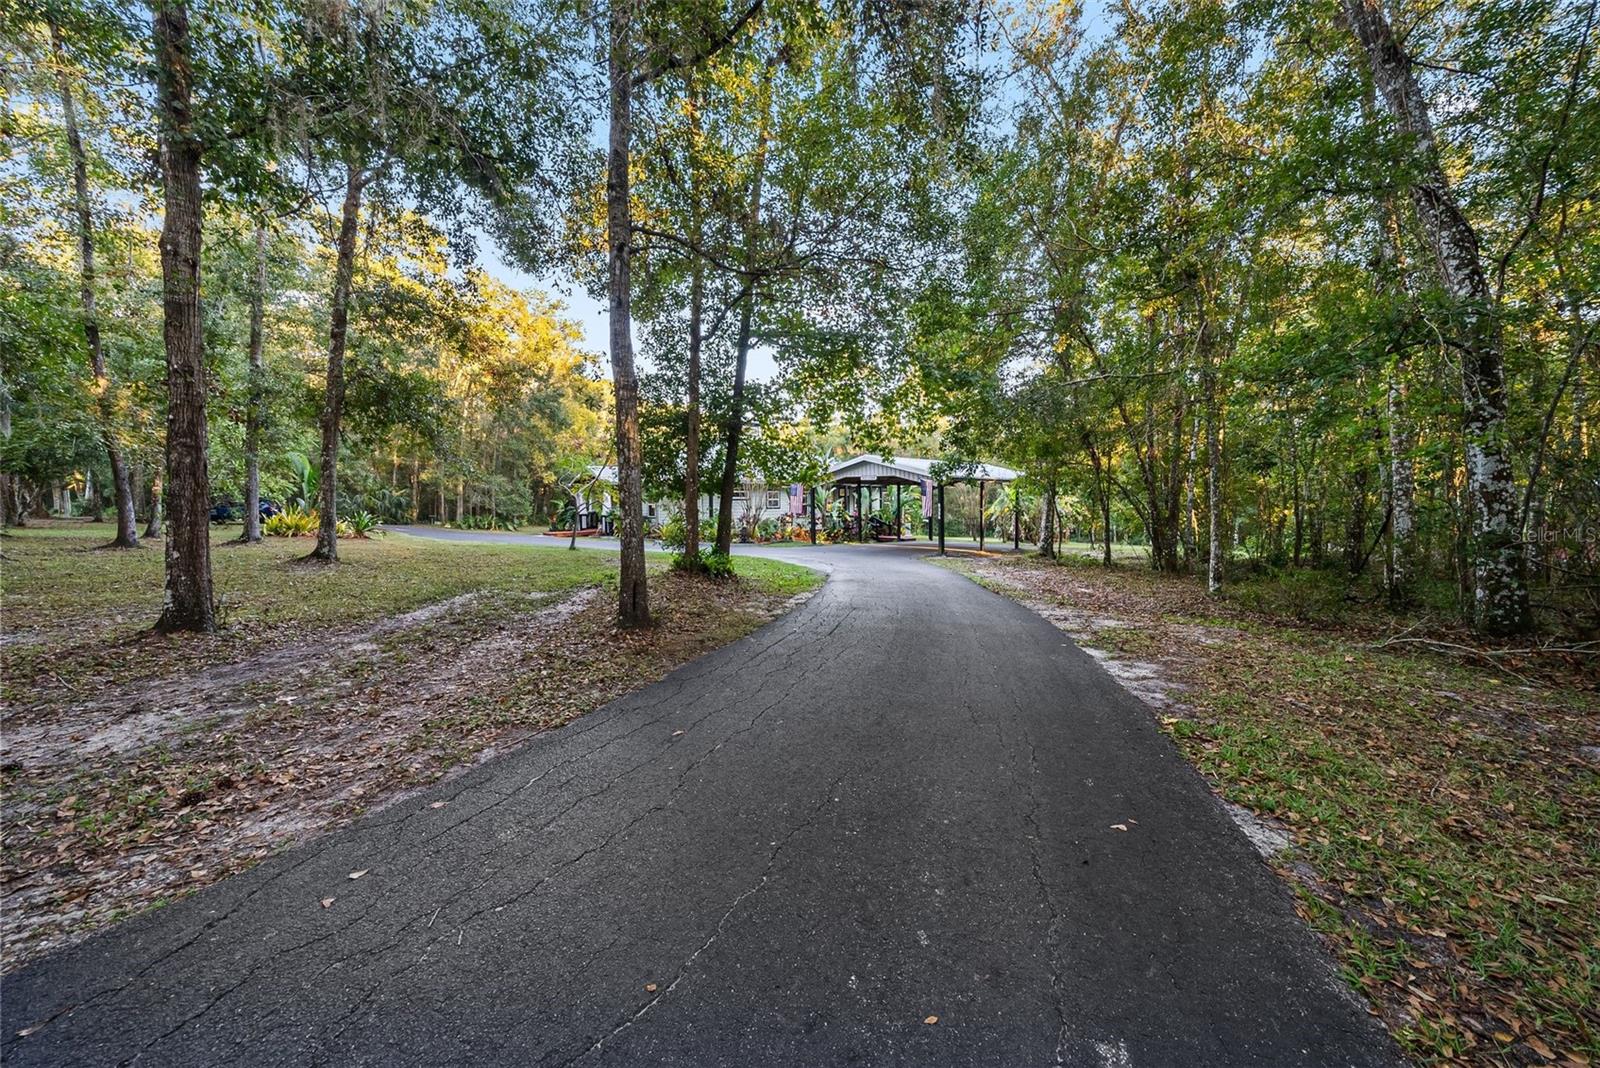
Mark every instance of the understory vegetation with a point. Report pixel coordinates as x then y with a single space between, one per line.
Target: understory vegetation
1443 801
140 767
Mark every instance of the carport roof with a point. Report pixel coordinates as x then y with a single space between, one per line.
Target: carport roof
871 467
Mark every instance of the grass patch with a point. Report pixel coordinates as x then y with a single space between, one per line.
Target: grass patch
1446 815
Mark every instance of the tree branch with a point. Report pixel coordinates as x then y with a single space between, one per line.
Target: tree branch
710 48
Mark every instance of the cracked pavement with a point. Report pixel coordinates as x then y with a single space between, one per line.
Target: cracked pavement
896 802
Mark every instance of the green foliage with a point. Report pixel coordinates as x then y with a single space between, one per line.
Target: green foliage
291 522
673 533
362 524
674 536
1318 596
303 488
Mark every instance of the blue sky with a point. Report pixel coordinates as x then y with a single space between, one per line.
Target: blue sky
589 313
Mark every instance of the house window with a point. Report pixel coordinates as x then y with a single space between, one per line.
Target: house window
774 499
650 510
740 496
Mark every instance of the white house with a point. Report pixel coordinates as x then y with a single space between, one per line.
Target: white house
752 501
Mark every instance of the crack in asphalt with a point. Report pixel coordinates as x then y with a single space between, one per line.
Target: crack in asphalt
828 797
564 866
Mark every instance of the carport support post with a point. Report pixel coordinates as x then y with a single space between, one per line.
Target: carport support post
861 521
1016 517
980 515
941 519
813 515
897 488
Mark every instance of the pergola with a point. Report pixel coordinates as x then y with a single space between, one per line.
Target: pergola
870 471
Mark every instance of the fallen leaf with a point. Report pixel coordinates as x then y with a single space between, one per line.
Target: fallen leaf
1119 826
358 874
676 733
930 1019
437 804
327 902
649 988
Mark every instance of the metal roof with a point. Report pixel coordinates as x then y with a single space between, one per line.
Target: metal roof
871 467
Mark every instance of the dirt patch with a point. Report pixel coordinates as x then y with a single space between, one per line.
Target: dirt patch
148 791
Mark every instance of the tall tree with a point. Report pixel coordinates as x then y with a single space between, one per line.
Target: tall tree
1499 563
188 604
333 392
633 595
127 536
751 231
255 415
632 64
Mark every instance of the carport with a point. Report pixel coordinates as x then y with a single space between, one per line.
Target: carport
871 474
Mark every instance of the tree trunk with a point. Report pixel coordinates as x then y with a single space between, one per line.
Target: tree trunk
255 415
1213 468
633 595
152 526
1402 493
691 434
327 549
188 601
10 513
1190 527
93 508
1102 493
1047 522
735 426
734 430
1500 589
127 536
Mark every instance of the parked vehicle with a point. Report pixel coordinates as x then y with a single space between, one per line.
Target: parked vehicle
233 511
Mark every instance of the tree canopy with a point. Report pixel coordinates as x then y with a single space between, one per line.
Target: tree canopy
1260 286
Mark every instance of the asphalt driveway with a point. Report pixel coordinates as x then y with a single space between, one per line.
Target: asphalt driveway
901 802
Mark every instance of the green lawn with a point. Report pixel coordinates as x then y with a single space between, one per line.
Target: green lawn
62 592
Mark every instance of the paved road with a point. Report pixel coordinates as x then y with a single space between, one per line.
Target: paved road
895 803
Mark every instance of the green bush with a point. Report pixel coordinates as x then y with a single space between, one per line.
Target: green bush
674 535
292 522
361 525
1306 595
712 565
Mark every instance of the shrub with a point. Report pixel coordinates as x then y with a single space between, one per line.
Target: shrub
674 535
1307 596
292 522
711 565
361 524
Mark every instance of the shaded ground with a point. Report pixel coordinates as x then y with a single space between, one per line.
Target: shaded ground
906 823
139 768
1443 805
